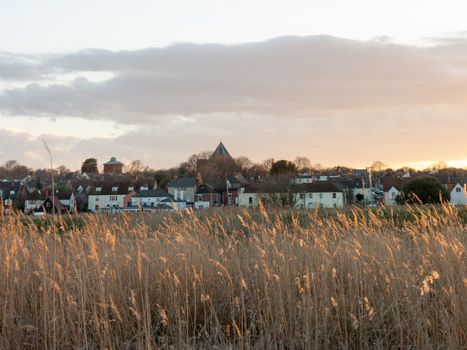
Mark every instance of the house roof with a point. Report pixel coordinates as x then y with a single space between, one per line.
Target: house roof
123 187
113 161
206 189
183 182
390 182
318 187
152 193
56 203
221 151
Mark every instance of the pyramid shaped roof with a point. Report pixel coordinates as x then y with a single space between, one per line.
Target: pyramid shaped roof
221 151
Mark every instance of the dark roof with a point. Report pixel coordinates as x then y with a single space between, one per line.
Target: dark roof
317 187
183 182
63 195
389 182
206 189
113 161
221 151
34 195
123 187
153 193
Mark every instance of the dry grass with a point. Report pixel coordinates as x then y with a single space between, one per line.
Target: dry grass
262 282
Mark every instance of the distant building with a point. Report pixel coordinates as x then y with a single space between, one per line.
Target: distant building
318 195
458 193
183 189
113 166
206 197
221 152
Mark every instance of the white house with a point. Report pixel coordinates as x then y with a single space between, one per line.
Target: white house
458 194
318 195
304 178
33 200
149 198
390 196
110 197
248 197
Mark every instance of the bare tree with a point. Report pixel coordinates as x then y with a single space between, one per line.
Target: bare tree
243 162
378 166
136 167
302 163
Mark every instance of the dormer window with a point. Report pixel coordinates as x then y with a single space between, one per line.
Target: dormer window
130 188
144 188
98 189
114 188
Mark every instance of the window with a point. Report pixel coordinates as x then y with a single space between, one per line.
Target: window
97 199
200 198
98 189
302 195
130 188
250 200
113 198
458 189
310 195
321 196
334 195
115 189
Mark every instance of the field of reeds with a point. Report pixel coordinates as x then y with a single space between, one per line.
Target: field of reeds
269 279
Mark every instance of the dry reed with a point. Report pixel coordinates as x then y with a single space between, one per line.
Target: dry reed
279 279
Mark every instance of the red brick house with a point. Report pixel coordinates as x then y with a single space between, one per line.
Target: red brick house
113 166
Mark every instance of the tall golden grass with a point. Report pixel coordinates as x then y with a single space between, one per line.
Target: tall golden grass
266 279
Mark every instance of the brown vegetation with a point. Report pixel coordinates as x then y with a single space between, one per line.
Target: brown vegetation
264 279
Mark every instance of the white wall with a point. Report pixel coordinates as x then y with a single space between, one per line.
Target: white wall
104 202
390 196
244 199
319 200
459 195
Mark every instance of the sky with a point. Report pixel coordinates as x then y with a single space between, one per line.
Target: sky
340 82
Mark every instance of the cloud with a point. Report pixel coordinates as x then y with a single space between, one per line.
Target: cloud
334 100
288 76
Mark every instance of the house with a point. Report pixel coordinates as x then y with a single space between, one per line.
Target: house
250 196
183 189
67 199
392 187
32 200
363 193
52 205
206 197
149 198
458 193
318 195
110 196
9 191
175 203
113 166
304 178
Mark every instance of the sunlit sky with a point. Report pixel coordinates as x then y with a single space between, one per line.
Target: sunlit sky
340 82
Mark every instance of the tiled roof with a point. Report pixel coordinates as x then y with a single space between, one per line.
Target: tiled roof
206 189
221 151
183 182
113 161
317 187
389 182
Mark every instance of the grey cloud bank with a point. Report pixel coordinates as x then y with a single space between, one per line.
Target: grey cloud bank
313 95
